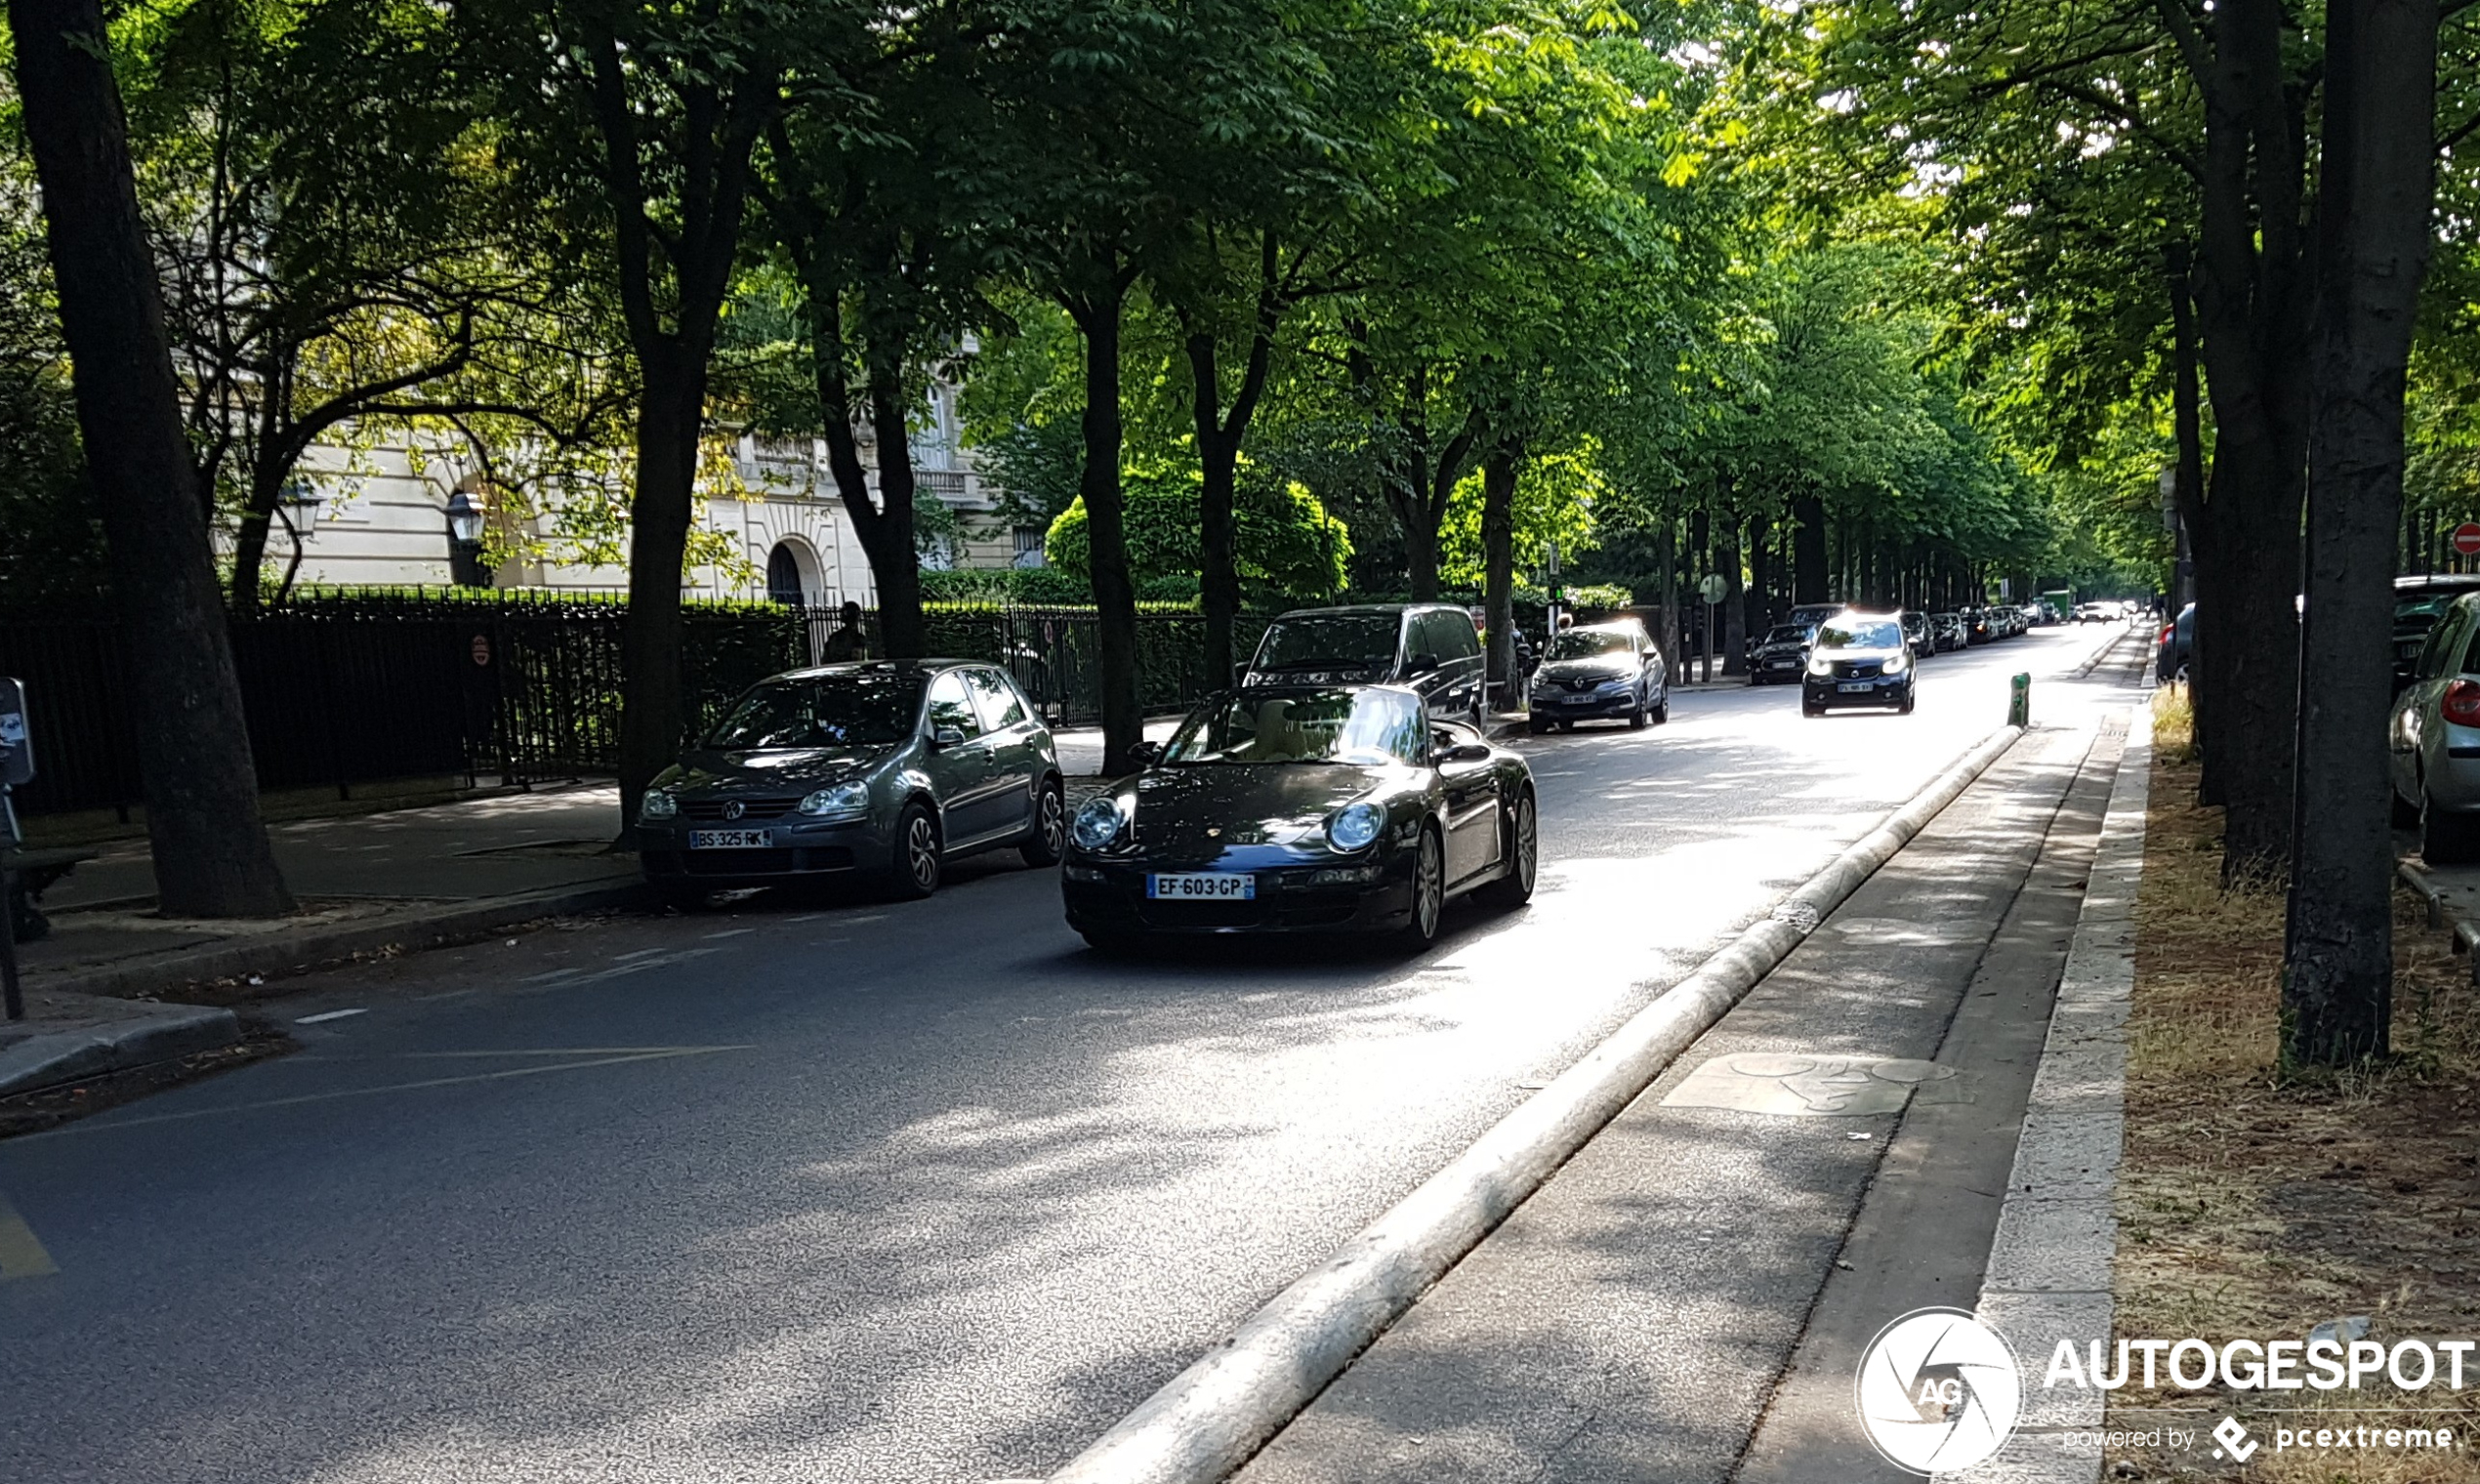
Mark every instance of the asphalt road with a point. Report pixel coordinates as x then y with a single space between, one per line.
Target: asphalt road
866 1192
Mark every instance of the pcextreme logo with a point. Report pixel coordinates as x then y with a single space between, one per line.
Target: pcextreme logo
1938 1391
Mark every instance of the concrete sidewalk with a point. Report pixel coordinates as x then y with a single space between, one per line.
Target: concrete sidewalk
366 883
1685 1298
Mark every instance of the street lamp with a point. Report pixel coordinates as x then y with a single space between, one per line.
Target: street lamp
465 518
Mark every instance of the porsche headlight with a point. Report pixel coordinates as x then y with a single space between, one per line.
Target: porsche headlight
843 799
1355 827
1098 824
658 804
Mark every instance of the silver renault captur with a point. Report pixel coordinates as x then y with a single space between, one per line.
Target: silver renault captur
886 770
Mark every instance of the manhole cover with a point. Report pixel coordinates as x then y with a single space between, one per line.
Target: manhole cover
1800 1085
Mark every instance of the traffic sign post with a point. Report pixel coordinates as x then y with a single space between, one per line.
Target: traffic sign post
1710 589
17 767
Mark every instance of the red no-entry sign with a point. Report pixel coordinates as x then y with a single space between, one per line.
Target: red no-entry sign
2467 539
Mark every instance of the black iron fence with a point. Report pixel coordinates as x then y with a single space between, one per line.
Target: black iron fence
340 693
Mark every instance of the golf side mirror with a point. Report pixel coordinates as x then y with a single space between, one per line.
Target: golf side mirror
1421 663
947 736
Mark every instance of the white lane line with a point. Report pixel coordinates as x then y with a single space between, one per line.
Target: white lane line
733 933
553 974
333 1014
623 958
666 960
89 1125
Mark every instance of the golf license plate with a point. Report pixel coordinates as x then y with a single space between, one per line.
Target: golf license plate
731 839
1854 688
1202 887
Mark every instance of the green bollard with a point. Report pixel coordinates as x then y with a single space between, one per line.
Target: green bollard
2019 701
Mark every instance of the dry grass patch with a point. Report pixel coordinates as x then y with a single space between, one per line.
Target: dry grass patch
2250 1205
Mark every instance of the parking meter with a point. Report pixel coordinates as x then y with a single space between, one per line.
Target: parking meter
2019 701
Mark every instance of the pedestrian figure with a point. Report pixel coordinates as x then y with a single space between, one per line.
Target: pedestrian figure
849 643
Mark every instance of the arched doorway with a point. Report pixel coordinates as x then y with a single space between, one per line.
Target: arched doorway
792 575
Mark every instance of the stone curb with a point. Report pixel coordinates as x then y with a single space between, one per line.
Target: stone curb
43 1061
2050 1265
284 952
1211 1418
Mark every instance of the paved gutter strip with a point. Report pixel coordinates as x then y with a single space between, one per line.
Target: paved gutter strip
1211 1418
43 1061
284 952
2049 1266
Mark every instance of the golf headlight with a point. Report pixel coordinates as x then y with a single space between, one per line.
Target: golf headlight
842 799
1355 827
1894 664
658 804
1098 824
1819 664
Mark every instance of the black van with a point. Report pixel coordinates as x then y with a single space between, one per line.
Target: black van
1432 647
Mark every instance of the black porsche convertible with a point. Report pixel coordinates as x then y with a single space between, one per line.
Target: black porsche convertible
1325 809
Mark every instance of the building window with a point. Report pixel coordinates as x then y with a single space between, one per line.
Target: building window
1029 546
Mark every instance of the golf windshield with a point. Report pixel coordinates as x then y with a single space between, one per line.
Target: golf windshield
1365 727
1861 634
1584 644
830 711
1325 639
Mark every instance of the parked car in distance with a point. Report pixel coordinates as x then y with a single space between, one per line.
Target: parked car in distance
2174 645
1340 808
2419 602
1431 648
886 770
1859 659
1915 632
1950 631
1609 670
1782 654
1810 615
2434 739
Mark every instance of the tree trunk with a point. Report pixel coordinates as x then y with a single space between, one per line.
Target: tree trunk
204 827
1498 567
1218 541
2187 485
1734 625
895 563
1808 548
1669 638
1760 600
1098 317
671 411
2373 241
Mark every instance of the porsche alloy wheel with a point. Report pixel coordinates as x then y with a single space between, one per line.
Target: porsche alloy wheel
1524 857
1429 891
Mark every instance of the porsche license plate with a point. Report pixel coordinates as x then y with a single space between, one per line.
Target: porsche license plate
1202 887
1855 688
731 839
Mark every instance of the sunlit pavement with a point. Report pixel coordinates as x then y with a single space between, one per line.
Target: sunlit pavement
859 1192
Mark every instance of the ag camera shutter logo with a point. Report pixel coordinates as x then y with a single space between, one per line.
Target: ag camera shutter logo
1938 1391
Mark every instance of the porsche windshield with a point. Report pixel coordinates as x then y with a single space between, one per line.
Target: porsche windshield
832 711
1363 727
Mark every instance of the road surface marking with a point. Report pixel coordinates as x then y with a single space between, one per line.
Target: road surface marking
552 974
731 933
333 1014
586 1051
20 1254
658 1055
623 958
679 956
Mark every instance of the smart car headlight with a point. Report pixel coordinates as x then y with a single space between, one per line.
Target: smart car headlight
1894 664
842 799
1099 823
1821 664
658 804
1355 827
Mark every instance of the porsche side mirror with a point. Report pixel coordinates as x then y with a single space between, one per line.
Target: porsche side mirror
1466 752
1240 675
947 736
1146 753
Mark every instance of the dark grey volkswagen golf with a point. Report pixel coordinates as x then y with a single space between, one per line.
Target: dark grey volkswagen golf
884 770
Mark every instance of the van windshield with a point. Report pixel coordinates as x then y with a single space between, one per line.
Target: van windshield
1330 639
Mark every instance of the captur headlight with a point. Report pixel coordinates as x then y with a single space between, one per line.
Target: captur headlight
842 799
658 804
1355 827
1098 824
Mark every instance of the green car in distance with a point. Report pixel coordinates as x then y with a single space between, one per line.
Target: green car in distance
881 770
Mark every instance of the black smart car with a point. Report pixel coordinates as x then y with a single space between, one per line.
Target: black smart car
1318 810
1859 659
1431 648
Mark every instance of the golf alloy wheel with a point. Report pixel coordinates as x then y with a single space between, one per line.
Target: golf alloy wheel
1049 839
917 852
